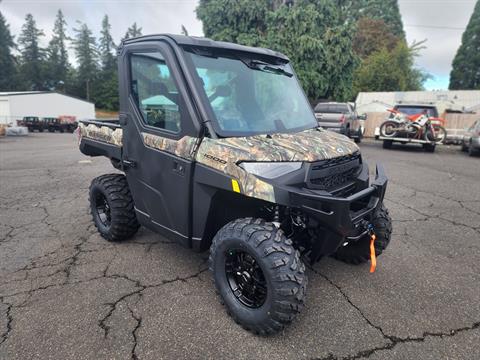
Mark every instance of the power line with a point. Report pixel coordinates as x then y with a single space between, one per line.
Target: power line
436 27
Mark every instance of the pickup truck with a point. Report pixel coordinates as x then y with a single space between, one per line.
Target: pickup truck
341 118
411 111
206 162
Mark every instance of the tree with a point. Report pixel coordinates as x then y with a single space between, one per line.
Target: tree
371 36
387 70
7 60
57 54
242 21
133 31
465 72
86 54
106 45
106 91
32 55
310 33
318 46
386 10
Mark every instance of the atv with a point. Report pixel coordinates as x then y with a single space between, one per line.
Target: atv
218 148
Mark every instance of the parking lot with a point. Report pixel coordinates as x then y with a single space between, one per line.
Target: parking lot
65 293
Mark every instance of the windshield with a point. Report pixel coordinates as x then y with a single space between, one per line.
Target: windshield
332 108
250 97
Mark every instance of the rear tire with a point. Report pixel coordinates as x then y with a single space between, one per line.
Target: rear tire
112 207
278 277
358 139
429 148
358 252
387 144
386 129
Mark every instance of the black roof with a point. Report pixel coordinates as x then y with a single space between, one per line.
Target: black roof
208 43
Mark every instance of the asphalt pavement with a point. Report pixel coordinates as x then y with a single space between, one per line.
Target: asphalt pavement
65 293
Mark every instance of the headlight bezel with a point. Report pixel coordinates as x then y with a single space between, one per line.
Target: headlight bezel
270 169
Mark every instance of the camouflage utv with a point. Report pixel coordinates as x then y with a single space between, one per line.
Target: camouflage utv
219 149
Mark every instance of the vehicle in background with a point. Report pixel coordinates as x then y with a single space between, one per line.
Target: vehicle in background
32 123
68 123
341 118
411 113
50 123
64 123
432 112
471 139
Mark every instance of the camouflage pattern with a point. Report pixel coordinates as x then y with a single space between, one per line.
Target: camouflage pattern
309 145
183 148
101 133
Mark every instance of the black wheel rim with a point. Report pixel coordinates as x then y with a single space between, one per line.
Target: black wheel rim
103 210
245 278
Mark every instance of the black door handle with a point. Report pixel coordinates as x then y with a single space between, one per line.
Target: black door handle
178 168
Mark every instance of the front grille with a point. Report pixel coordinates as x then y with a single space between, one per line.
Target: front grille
322 164
335 175
335 180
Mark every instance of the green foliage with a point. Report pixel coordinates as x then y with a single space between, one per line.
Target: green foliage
241 21
86 54
466 64
32 68
386 10
133 31
8 71
371 36
394 70
58 66
106 45
106 89
310 33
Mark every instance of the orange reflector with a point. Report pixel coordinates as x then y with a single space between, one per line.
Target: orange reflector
235 186
373 257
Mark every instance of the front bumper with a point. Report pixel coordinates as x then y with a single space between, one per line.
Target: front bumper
342 218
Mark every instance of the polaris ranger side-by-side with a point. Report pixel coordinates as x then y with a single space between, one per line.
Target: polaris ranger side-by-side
221 151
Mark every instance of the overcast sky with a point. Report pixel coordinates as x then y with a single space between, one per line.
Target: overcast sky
441 22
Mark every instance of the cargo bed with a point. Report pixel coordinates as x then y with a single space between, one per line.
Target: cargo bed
101 138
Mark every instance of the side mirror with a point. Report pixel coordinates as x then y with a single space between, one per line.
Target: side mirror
363 117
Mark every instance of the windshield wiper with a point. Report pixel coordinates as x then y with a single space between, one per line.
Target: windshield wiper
266 67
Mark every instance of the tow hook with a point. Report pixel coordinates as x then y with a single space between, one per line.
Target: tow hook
373 256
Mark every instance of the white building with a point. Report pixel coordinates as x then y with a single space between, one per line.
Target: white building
444 100
15 105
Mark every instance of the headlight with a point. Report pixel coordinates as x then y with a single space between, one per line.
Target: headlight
270 170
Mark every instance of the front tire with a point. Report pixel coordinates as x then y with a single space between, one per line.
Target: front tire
439 137
471 150
112 207
258 274
358 252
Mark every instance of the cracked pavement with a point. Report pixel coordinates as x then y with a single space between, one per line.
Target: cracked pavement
66 293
